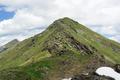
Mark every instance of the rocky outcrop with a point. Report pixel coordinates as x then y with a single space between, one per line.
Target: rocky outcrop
80 46
61 42
92 76
117 68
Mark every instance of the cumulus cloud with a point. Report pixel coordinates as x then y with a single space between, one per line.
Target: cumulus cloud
21 26
37 14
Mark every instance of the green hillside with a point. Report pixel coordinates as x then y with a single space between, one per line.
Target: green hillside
64 49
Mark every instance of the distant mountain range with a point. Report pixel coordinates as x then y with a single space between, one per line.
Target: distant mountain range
65 49
8 45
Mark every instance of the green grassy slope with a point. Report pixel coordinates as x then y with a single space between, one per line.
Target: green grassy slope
65 48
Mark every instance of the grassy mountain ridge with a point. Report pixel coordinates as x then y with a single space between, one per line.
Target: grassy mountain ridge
64 49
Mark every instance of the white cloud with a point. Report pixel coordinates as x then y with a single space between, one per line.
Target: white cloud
21 21
31 14
19 25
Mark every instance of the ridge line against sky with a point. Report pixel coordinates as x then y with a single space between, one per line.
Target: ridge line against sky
24 18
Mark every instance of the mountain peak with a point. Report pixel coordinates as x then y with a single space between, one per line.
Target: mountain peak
65 19
14 41
64 23
8 45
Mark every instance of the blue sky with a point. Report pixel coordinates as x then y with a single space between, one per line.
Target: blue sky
24 18
4 14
